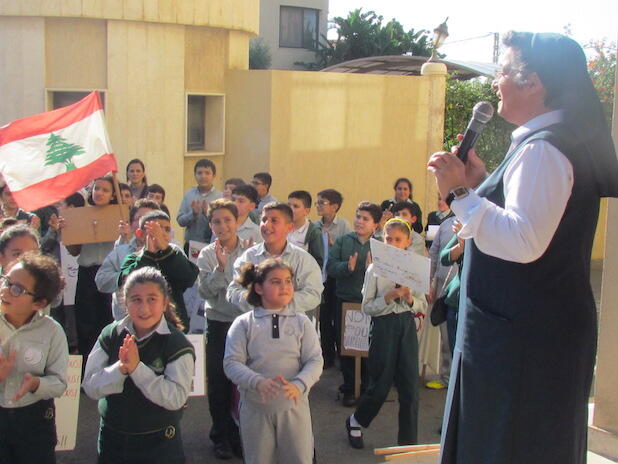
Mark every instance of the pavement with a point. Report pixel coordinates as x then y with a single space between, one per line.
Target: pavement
328 427
328 423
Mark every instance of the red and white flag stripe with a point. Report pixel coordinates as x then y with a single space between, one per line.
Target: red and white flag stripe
35 181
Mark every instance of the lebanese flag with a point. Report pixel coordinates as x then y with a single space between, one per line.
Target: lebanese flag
49 156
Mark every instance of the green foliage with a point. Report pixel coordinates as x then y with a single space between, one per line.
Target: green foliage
363 34
602 70
461 96
259 54
59 151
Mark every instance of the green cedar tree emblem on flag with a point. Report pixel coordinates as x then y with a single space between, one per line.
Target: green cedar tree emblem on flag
60 151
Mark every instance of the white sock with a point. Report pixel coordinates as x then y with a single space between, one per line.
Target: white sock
354 423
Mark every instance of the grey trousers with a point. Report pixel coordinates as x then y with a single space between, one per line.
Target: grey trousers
283 437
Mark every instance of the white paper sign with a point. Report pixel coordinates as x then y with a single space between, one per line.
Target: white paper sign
69 270
356 331
67 406
194 250
401 266
432 231
198 383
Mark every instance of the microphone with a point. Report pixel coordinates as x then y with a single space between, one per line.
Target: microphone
481 114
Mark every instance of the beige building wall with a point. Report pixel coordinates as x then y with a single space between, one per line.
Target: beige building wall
22 47
283 57
144 56
311 131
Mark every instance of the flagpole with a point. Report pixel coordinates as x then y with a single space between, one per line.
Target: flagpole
119 196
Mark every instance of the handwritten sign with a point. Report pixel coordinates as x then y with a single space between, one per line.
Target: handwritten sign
69 270
355 330
67 406
198 383
194 250
401 266
432 231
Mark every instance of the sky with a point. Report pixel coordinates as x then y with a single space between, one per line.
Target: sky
588 20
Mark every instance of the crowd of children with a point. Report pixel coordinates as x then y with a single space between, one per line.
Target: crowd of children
266 272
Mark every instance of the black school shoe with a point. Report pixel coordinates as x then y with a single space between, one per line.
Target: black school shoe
355 442
223 451
349 400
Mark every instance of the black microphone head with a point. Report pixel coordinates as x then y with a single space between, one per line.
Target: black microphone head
483 112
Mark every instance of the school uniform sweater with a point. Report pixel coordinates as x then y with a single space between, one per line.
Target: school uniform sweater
254 353
173 264
129 410
42 350
213 282
349 283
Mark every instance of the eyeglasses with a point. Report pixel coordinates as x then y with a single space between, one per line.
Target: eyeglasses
322 203
256 182
15 290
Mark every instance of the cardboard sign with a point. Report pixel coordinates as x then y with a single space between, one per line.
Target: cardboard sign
69 270
93 224
401 266
67 406
354 330
198 383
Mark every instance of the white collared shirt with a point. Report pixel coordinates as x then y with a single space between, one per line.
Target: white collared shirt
307 277
297 236
537 187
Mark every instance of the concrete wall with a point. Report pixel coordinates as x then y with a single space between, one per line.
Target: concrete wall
237 14
145 67
355 133
282 57
22 47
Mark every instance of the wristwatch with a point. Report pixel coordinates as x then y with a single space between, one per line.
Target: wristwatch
457 194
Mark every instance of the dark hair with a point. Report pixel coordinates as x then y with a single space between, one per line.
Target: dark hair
248 191
251 274
264 177
165 209
400 224
205 163
142 203
333 197
123 186
48 280
407 181
153 216
76 200
222 203
141 163
110 179
278 206
415 210
18 230
374 210
8 222
149 274
156 188
235 181
303 196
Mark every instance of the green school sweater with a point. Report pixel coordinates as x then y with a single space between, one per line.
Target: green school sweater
130 411
349 283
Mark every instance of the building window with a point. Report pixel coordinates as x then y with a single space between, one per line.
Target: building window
298 27
205 123
196 122
60 98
